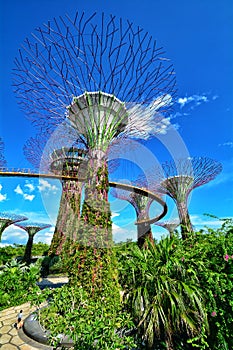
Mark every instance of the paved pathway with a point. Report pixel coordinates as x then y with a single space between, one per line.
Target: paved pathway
10 337
13 339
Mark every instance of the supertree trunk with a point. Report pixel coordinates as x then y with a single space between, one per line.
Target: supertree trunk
185 222
28 249
94 234
31 229
144 234
68 216
96 208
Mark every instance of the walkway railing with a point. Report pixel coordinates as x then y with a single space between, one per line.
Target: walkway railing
26 172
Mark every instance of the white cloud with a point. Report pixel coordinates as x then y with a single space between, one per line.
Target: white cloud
195 99
13 234
3 197
200 221
26 196
46 186
228 144
30 186
114 214
44 236
122 234
18 190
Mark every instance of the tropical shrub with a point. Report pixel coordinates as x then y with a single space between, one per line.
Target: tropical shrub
17 283
89 309
52 264
164 297
210 253
7 253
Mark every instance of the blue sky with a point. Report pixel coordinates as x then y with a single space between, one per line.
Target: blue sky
197 36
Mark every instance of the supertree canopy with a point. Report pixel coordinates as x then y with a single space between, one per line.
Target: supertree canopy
141 205
7 219
67 58
180 177
170 225
31 228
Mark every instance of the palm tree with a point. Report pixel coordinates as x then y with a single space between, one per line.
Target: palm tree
165 297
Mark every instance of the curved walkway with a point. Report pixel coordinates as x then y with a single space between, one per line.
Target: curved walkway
143 191
13 339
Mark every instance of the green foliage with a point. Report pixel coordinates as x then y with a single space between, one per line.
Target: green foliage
89 309
9 252
52 265
93 322
210 253
164 298
177 294
17 283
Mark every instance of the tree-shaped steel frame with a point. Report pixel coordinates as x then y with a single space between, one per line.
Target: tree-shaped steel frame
44 153
170 225
141 205
7 219
67 57
31 228
105 76
180 177
109 80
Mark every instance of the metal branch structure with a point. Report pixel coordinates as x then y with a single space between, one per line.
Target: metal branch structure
7 219
141 205
68 57
180 177
170 226
31 228
2 157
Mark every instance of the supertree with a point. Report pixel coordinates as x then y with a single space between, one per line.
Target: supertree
109 79
31 228
44 153
180 177
2 157
170 225
7 219
141 205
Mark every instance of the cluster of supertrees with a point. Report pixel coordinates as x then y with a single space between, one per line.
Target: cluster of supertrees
90 85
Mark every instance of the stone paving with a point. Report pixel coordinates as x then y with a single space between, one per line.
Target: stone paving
10 337
13 339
